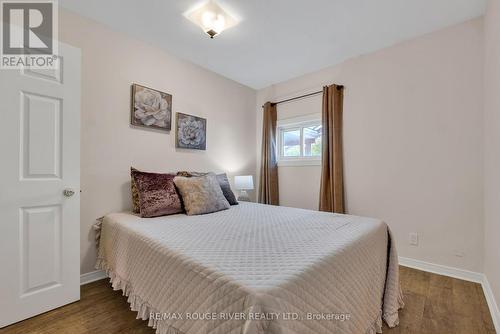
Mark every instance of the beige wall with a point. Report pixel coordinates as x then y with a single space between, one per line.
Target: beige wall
110 63
413 142
492 147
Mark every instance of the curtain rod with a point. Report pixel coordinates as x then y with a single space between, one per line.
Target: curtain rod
302 96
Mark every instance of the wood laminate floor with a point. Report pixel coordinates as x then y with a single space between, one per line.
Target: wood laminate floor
434 304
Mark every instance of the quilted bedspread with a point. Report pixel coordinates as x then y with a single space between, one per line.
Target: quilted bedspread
254 269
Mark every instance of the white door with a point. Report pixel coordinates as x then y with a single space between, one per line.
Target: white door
39 159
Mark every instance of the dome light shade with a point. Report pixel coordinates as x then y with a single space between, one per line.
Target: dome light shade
211 17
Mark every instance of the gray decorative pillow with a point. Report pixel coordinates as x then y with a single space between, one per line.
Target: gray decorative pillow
226 189
223 182
190 174
201 194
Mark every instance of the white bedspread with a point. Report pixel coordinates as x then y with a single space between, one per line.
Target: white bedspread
254 269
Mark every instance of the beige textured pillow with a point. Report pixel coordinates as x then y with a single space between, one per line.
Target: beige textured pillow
201 194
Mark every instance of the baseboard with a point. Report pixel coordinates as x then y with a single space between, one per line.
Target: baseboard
92 277
462 274
439 269
492 304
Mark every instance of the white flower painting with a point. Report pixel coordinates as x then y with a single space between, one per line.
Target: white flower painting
151 108
191 132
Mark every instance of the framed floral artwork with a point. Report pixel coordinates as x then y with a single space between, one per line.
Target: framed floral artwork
191 132
151 108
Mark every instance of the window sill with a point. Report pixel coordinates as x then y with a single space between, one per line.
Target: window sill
299 162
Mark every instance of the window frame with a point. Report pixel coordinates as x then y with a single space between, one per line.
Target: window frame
297 123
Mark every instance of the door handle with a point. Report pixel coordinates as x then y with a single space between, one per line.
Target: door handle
68 192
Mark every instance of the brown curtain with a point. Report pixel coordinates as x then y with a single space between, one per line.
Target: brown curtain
268 185
331 197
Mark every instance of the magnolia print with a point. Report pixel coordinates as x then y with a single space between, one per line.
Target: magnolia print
191 132
151 108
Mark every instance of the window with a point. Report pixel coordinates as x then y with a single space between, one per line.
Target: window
291 143
299 141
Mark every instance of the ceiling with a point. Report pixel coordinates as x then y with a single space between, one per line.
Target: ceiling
277 40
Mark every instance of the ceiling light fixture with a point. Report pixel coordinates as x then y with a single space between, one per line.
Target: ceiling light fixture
211 17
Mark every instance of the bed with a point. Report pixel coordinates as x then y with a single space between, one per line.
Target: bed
254 269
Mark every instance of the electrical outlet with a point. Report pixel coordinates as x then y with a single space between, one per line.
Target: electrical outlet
414 239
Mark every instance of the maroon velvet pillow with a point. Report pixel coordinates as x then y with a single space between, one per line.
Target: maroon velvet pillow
157 194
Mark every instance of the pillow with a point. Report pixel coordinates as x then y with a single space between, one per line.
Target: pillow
201 194
157 194
190 174
223 182
226 189
135 193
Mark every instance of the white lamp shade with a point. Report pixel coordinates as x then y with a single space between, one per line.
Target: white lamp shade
244 182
